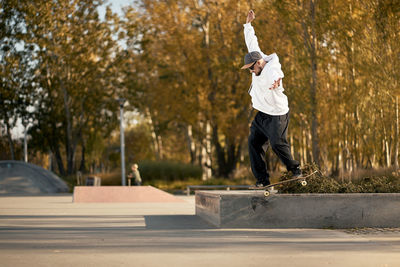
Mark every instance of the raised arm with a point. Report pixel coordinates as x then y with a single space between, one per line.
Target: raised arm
250 36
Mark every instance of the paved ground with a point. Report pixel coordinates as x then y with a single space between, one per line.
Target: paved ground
53 231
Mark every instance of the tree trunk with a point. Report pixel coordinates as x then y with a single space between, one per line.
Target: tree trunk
206 151
208 146
340 160
51 161
310 42
220 153
386 148
291 140
154 137
10 142
304 148
227 157
191 144
82 167
160 147
396 148
314 125
59 160
70 148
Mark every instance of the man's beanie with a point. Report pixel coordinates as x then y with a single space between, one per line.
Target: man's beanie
250 58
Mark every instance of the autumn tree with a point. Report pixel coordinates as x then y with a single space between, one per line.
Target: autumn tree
76 72
17 80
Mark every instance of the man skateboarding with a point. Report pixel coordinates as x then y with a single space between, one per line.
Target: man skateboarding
272 120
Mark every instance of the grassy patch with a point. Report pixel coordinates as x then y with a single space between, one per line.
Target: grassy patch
318 183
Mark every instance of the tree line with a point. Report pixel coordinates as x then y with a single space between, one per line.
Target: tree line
177 62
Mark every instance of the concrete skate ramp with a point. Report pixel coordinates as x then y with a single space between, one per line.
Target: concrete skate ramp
115 194
17 177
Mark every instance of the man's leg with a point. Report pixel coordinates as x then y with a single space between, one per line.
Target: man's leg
256 140
279 143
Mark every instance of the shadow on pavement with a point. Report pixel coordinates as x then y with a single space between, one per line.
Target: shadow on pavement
164 222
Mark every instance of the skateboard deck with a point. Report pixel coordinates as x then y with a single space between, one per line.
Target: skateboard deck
302 179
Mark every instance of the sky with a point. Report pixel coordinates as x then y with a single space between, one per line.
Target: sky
116 6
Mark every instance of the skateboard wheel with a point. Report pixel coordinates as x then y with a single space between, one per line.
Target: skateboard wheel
303 183
266 193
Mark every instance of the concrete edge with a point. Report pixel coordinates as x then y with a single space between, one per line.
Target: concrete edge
252 210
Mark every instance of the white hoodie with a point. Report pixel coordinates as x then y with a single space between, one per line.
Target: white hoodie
272 102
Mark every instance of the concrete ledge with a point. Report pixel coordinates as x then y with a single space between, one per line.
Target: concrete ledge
250 209
96 194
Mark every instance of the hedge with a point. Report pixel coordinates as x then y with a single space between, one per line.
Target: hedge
168 171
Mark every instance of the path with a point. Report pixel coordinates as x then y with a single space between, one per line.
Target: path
53 231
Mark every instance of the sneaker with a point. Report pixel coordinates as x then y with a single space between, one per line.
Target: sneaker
262 183
259 184
296 172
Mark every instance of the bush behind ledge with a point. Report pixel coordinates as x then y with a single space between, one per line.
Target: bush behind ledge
318 183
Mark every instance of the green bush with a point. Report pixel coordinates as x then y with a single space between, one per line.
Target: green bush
167 171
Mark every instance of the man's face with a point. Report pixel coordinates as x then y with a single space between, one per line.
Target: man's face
256 68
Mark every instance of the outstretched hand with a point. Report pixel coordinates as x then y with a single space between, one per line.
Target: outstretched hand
250 16
275 84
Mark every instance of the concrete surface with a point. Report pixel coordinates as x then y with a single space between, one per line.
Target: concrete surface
18 177
96 194
251 209
54 231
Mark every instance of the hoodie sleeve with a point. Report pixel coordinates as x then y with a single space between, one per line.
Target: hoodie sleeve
275 66
251 39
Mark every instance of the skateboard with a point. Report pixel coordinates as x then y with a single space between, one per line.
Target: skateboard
302 180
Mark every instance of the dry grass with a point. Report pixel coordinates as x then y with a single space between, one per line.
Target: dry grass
369 182
358 174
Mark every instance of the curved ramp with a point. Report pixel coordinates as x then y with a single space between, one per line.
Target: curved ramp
18 177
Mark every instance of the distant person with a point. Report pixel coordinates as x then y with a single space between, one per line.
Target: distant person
272 120
135 175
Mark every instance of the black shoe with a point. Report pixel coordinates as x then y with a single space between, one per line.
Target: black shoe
296 172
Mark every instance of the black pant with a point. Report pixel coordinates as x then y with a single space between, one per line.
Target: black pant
270 128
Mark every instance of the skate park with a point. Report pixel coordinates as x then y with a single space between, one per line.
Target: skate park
51 229
195 133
